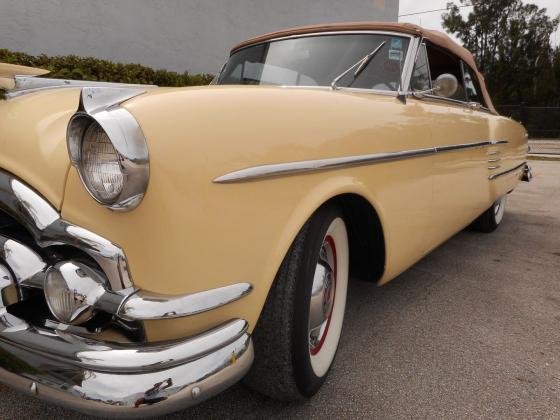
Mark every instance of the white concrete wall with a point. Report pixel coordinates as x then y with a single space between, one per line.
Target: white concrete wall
193 35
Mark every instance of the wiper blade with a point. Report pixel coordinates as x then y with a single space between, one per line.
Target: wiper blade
361 64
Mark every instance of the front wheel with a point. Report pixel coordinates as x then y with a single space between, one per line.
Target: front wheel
490 220
297 335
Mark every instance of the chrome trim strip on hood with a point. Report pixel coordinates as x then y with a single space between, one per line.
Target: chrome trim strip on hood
26 84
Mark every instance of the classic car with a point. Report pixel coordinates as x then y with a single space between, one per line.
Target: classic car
157 245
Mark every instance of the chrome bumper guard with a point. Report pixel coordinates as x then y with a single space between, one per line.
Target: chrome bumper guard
122 381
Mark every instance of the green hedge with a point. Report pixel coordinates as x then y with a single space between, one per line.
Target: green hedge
89 68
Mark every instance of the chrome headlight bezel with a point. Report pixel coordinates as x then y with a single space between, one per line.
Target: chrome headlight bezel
129 143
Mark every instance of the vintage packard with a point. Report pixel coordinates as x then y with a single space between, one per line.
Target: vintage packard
159 244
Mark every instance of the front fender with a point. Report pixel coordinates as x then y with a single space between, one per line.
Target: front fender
33 139
191 234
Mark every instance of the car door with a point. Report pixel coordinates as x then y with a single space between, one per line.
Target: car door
487 158
457 133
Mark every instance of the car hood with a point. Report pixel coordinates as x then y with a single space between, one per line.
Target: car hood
33 139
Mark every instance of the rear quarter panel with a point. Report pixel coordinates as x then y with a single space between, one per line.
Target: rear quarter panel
511 155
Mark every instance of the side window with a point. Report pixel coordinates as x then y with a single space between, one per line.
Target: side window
472 87
421 74
442 62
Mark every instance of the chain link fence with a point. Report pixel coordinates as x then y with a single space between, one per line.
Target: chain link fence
542 123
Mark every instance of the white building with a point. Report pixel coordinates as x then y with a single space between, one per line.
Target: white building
192 35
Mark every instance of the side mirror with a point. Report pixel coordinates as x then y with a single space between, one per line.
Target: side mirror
446 85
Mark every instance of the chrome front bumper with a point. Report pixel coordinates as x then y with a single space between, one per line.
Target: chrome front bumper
82 371
123 381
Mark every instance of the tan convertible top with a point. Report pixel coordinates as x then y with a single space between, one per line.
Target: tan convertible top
435 37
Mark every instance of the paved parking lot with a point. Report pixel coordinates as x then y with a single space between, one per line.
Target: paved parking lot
472 331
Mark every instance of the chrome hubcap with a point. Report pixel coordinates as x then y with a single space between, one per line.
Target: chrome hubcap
499 209
322 295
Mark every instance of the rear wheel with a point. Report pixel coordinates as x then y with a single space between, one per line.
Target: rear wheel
297 335
492 218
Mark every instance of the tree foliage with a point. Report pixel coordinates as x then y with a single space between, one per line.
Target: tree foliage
511 44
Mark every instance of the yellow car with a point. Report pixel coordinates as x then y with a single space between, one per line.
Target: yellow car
157 245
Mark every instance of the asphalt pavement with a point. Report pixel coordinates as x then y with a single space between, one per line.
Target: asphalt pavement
471 331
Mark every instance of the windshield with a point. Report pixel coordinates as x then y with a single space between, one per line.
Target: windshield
318 60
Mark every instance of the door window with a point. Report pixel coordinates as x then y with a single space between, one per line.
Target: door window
442 62
472 87
421 74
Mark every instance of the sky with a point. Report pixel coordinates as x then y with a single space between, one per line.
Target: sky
433 20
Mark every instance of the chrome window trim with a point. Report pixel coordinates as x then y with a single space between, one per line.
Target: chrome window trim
509 171
421 44
344 89
328 33
307 166
409 63
449 101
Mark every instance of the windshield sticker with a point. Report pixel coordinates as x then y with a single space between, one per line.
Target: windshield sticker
396 43
395 55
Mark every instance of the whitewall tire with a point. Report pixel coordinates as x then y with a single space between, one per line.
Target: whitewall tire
297 336
492 218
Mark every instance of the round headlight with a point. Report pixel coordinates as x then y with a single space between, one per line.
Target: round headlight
110 153
100 165
71 291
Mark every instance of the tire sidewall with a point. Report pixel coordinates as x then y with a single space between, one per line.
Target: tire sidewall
306 379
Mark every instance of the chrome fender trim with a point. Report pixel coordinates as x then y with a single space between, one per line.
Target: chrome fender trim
509 171
307 166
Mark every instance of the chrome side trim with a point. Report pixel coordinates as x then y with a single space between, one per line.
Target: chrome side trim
26 84
291 168
145 305
509 171
120 380
43 222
